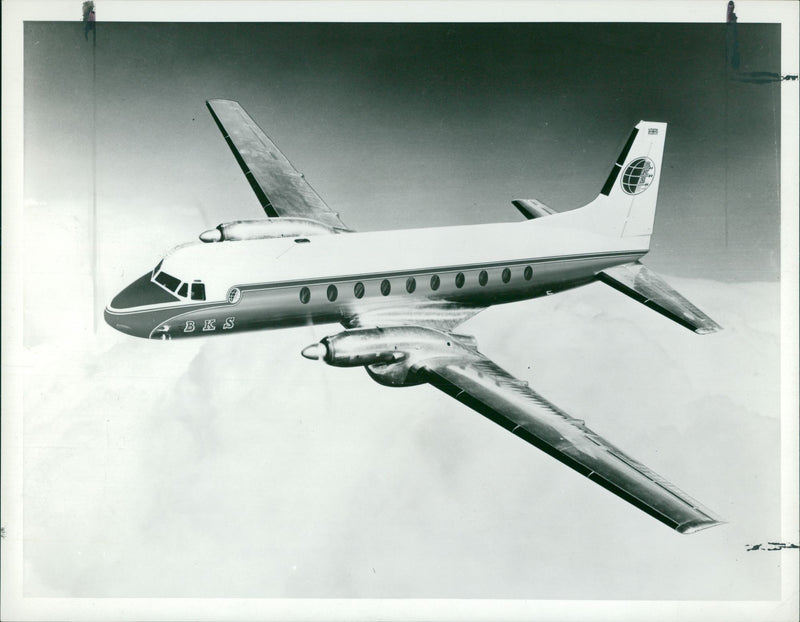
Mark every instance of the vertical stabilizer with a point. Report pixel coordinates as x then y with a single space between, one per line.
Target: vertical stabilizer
627 203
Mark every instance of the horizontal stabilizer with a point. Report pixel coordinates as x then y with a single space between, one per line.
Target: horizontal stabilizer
531 208
645 286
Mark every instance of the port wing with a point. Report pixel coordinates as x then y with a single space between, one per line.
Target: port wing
477 382
281 189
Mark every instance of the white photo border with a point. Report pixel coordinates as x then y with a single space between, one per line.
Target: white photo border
16 607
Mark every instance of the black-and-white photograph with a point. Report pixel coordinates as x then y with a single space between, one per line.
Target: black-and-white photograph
302 302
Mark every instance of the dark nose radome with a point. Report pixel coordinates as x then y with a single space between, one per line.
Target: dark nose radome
141 292
120 314
128 325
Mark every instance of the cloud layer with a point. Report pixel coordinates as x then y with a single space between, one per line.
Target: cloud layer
235 468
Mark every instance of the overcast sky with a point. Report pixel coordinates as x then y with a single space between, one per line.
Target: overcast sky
401 125
235 468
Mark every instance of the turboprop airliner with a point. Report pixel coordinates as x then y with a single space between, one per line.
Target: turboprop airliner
401 295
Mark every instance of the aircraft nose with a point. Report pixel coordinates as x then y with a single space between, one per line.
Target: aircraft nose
141 292
117 322
125 313
146 323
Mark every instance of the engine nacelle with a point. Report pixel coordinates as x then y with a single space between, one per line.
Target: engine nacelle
389 354
263 228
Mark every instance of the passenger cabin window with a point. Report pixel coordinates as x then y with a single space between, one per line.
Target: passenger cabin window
305 295
358 290
435 282
411 284
460 280
333 293
386 287
198 291
506 276
483 278
528 274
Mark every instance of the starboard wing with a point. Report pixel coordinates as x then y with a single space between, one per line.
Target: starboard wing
280 188
480 384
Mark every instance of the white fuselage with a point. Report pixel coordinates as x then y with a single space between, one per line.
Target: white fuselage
271 283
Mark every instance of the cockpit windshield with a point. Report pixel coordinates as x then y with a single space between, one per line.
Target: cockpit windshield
175 286
168 281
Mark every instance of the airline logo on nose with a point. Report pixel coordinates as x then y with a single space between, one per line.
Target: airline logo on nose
638 175
209 325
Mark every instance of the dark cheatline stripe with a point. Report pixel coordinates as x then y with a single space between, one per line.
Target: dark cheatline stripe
262 197
418 272
497 417
612 177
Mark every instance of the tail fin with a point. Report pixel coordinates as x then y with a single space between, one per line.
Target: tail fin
626 206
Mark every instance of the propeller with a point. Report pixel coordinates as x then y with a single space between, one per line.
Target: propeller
315 352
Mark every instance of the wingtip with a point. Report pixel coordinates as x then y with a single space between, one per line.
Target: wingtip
700 525
708 329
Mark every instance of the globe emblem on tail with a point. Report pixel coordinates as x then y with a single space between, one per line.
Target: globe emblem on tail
638 175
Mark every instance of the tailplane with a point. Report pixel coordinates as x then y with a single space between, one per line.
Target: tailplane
626 209
645 286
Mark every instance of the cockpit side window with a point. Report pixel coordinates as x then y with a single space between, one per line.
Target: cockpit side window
198 291
184 290
168 281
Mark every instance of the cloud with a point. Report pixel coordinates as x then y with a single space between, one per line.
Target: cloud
233 467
